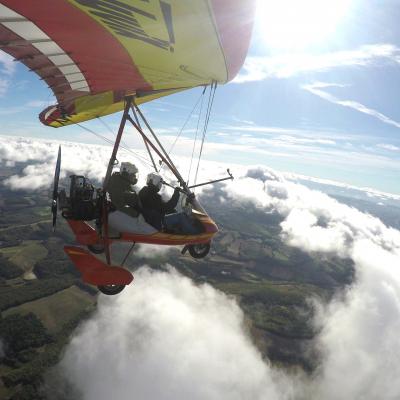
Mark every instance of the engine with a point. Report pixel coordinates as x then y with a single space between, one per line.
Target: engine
84 201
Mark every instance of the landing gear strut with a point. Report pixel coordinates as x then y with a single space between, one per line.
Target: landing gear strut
97 248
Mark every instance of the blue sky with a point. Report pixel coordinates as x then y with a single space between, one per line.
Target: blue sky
318 95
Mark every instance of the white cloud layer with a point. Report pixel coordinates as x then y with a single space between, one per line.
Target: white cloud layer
85 160
166 338
368 191
388 146
292 64
358 337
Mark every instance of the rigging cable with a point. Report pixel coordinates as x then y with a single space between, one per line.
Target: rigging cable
187 120
145 143
124 145
207 119
197 131
111 142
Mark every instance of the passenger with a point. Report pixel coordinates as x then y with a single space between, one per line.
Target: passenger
154 208
122 193
162 215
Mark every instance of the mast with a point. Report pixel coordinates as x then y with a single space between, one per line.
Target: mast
113 157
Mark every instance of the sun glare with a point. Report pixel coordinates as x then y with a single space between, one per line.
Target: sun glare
297 24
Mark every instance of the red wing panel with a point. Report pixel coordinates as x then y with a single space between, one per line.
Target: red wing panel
79 42
234 20
94 271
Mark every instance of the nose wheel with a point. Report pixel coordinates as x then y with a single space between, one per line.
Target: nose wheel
199 250
111 290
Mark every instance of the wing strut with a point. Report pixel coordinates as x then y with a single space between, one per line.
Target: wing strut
145 143
113 157
165 157
111 164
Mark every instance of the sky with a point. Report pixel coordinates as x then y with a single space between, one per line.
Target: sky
317 96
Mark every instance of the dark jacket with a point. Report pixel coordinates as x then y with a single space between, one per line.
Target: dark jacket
154 207
122 194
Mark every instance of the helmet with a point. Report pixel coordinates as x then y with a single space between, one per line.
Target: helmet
129 168
131 171
154 179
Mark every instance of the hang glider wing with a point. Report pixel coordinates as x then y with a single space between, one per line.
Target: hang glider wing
93 53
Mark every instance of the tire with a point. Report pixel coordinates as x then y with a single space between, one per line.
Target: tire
97 248
111 290
199 250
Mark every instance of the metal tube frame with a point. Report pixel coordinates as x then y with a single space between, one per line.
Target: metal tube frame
166 157
145 143
161 153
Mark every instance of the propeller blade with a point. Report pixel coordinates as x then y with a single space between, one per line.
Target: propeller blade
55 188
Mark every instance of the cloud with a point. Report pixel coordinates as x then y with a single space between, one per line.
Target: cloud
91 159
151 250
7 64
315 88
366 190
37 103
387 146
18 109
292 64
7 68
4 84
359 329
294 140
87 160
191 340
165 338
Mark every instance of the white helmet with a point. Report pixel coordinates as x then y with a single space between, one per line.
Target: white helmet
154 179
129 168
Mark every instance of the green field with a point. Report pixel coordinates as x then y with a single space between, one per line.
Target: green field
57 309
26 254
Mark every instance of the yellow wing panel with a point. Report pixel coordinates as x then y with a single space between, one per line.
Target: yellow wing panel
172 43
90 107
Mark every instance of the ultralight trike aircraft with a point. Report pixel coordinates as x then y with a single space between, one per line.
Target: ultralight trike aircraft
104 56
86 203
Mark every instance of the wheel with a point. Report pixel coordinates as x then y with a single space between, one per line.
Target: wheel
111 290
199 250
97 248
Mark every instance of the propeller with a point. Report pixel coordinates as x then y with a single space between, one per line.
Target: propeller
55 188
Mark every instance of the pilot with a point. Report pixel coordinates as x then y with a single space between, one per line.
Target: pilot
122 193
154 208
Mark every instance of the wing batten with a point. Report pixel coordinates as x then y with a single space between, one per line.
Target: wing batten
34 41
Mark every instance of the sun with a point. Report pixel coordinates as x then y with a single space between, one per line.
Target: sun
298 24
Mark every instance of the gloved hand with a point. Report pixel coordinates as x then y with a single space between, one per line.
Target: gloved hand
190 197
177 190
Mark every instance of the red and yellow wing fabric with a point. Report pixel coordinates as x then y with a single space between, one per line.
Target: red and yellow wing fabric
93 53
